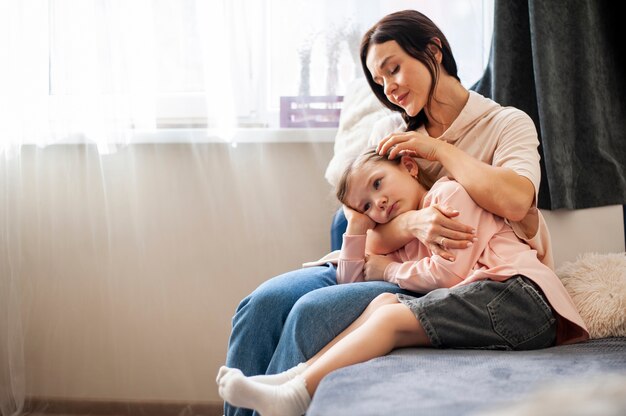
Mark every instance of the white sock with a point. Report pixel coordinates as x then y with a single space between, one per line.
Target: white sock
280 378
288 399
221 373
271 379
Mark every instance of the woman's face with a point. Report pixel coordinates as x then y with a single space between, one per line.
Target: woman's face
405 80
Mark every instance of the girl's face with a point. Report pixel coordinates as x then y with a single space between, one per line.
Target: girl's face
383 190
405 80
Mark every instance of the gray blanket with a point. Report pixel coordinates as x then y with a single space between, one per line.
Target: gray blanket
458 382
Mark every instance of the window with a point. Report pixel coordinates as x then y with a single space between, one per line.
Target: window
104 70
280 48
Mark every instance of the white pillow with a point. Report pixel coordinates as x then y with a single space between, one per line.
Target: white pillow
597 285
360 112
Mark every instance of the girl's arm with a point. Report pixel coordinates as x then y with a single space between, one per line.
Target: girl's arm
433 271
428 225
352 256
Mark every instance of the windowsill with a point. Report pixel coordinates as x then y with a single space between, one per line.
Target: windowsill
203 135
241 135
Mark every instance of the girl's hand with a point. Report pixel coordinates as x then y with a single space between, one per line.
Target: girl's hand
374 268
409 143
435 227
358 223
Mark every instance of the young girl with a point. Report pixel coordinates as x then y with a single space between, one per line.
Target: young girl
495 294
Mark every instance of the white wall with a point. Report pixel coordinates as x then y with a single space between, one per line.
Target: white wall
596 230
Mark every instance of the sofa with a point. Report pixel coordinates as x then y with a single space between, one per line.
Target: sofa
426 381
588 378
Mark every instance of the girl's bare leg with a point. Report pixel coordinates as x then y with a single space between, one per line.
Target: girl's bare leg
378 302
384 325
278 379
382 329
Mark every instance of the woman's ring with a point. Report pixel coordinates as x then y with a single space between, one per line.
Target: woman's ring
441 242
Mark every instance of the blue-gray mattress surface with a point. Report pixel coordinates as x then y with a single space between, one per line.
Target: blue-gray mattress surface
457 382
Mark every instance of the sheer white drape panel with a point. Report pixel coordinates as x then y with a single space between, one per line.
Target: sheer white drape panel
122 257
103 70
99 70
12 374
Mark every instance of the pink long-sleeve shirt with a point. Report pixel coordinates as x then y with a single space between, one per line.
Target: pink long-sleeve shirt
497 255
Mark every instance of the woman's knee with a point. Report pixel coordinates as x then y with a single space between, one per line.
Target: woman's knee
266 300
280 293
309 319
310 306
263 299
328 310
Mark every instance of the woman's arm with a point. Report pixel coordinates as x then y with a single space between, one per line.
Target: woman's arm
429 225
497 189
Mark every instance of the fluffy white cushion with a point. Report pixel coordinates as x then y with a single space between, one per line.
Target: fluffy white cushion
597 285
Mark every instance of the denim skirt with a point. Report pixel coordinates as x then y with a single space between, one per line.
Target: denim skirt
509 315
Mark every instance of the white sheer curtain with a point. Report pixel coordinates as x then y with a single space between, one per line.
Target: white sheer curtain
93 71
98 70
12 382
120 260
102 71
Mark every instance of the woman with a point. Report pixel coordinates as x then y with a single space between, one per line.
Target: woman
421 83
488 149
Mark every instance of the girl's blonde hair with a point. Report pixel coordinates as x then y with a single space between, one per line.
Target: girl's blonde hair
368 156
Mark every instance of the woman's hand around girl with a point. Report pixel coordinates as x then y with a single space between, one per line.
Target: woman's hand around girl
435 227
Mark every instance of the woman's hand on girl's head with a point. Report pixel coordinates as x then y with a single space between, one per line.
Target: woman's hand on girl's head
410 143
358 223
436 228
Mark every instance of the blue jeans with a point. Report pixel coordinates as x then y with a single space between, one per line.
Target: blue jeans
289 318
338 228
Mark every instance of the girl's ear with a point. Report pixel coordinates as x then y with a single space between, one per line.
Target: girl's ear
410 165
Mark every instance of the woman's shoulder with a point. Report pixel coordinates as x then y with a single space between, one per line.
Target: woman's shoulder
498 111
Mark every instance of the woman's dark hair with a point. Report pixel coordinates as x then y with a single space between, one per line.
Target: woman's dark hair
414 32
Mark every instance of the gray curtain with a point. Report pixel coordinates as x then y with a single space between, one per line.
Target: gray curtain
559 61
